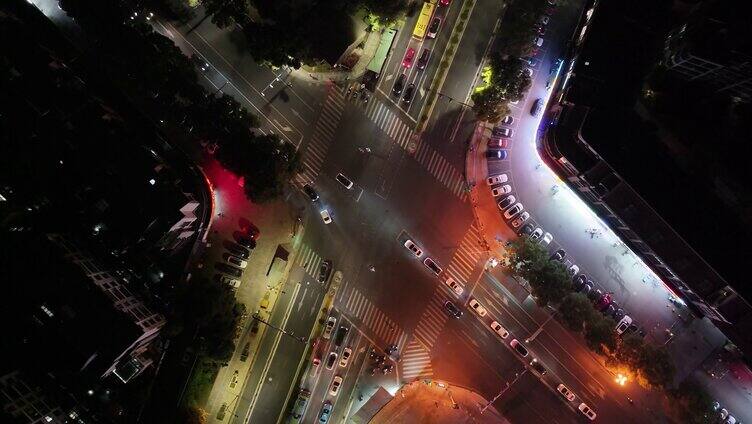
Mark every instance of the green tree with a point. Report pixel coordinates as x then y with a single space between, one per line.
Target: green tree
690 403
193 415
265 162
656 367
575 310
599 333
489 104
386 10
223 12
551 284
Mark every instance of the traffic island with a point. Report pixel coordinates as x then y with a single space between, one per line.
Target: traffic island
435 402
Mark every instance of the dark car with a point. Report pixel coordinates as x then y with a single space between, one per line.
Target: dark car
300 404
423 59
578 281
399 85
498 154
409 92
518 347
433 29
619 314
341 334
608 310
526 229
311 193
585 289
325 270
537 107
452 309
615 305
559 255
237 250
228 269
326 411
595 295
244 240
537 367
245 352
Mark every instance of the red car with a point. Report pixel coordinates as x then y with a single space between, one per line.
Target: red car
444 2
604 301
501 143
409 56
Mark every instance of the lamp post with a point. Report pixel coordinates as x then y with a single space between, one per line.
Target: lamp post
301 339
452 99
516 377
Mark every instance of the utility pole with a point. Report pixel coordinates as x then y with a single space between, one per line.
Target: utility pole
516 377
301 339
538 331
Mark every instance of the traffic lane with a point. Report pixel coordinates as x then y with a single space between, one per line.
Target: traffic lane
230 44
556 351
234 83
564 355
268 347
437 46
602 258
350 376
468 355
320 382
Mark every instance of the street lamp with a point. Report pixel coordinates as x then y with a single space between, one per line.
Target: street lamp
516 377
301 339
452 99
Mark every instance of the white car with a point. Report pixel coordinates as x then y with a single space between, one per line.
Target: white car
478 308
330 323
497 179
346 182
237 262
622 326
336 383
513 211
229 281
498 329
573 270
506 202
536 234
413 248
346 353
538 41
456 288
547 239
520 220
326 217
498 191
564 391
587 411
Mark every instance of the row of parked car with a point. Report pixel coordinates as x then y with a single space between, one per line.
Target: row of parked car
536 366
236 257
512 211
723 416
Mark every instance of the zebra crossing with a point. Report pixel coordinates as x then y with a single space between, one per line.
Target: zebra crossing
309 260
432 321
323 132
466 256
416 362
380 326
442 170
389 122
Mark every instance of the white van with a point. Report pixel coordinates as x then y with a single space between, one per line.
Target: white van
623 324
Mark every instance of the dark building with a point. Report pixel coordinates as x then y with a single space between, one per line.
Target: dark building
634 185
714 45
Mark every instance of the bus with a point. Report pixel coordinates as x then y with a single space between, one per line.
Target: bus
377 62
424 19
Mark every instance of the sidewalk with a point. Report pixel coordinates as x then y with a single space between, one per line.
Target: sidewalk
429 402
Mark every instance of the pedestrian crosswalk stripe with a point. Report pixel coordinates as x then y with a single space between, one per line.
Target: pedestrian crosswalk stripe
431 321
416 362
318 145
466 257
378 324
